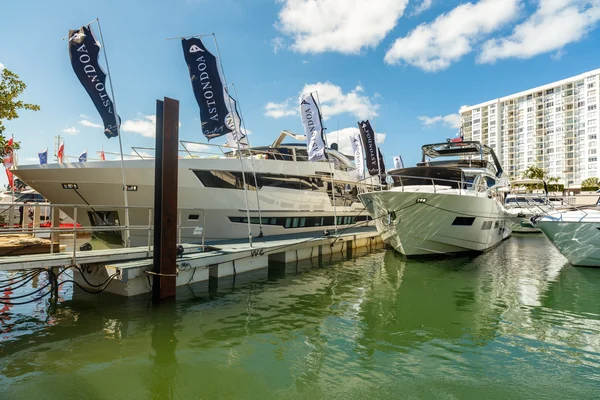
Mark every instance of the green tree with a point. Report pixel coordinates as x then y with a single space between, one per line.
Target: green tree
590 182
534 172
11 87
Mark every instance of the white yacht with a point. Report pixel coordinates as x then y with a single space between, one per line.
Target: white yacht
294 195
451 202
576 234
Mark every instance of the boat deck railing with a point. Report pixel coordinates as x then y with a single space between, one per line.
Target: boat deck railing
397 180
54 228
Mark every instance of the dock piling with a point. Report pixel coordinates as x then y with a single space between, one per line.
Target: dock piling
165 200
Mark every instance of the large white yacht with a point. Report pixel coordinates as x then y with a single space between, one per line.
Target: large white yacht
576 234
294 195
451 202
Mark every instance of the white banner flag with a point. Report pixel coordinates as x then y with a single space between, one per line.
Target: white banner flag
359 157
313 128
233 122
398 164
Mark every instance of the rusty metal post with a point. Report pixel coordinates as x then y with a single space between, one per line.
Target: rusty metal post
165 199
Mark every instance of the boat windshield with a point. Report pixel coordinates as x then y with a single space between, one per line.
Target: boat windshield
526 200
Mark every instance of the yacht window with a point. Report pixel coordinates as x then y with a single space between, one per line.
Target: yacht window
496 224
490 181
193 217
486 225
463 221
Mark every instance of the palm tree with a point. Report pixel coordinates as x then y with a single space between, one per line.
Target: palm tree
534 172
590 182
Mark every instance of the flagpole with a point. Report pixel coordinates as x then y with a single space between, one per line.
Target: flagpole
12 156
251 158
118 128
231 108
331 169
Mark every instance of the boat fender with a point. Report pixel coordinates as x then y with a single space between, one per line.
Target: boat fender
85 247
179 250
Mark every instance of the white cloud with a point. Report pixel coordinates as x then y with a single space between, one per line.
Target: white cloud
554 24
450 120
71 130
422 7
305 61
145 126
279 110
1 66
83 116
335 25
436 45
342 138
333 102
558 55
277 43
88 123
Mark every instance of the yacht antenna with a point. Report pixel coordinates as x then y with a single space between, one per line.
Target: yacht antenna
232 108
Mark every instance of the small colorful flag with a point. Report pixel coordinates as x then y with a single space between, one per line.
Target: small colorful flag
83 156
102 156
43 156
61 152
398 164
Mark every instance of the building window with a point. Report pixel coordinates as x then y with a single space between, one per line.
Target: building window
592 159
592 122
592 107
591 151
591 85
592 137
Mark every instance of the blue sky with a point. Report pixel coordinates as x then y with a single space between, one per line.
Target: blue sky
407 65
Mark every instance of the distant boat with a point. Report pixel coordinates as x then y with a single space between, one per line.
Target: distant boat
451 202
576 234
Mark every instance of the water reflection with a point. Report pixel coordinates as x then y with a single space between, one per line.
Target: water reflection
463 327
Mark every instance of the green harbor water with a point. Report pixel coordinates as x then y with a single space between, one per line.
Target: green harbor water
517 322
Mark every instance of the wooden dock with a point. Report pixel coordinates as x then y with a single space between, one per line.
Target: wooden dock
132 266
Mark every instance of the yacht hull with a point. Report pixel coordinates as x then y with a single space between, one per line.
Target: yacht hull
578 241
220 211
436 223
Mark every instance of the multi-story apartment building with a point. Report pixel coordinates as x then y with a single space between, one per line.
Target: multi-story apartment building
554 127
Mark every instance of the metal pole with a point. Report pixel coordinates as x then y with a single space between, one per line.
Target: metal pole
118 127
231 108
251 160
331 169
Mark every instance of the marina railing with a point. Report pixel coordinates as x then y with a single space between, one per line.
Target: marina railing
55 229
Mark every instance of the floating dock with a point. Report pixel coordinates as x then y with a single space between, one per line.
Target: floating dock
131 268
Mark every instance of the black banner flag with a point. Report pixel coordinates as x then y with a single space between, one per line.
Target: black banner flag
381 163
83 51
368 139
208 88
